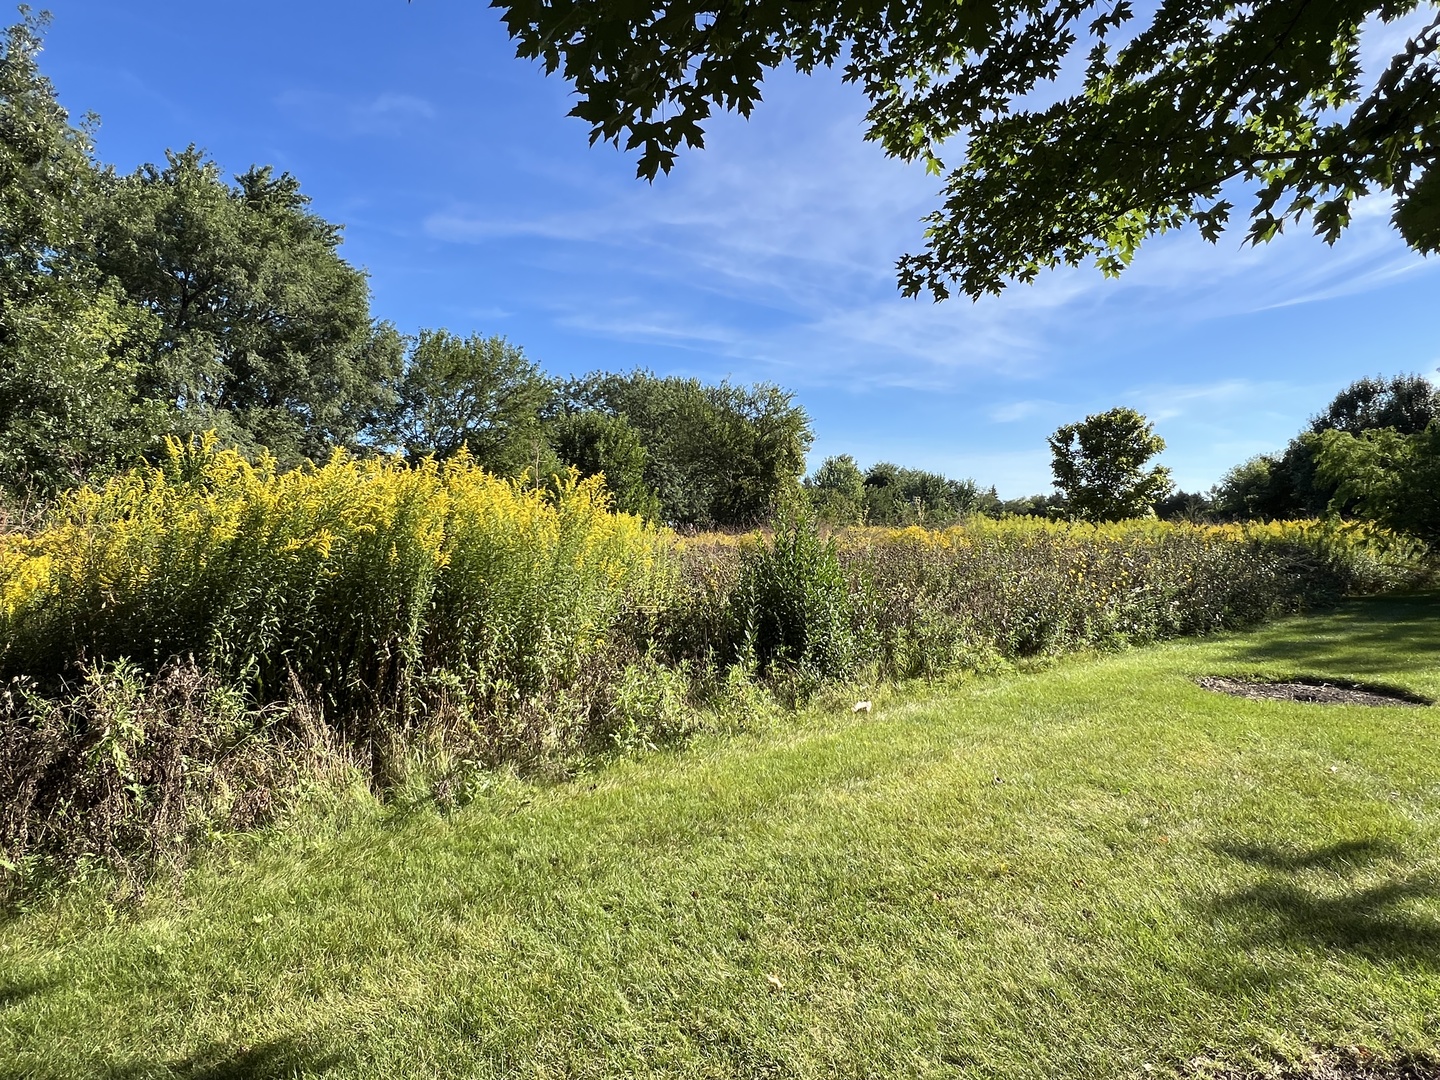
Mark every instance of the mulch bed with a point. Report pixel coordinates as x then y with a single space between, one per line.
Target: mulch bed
1314 691
1348 1064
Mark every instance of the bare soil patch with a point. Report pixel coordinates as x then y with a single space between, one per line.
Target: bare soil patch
1314 691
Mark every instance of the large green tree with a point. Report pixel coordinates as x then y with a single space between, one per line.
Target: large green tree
70 343
598 444
264 330
1407 403
1385 475
482 393
720 454
1100 466
895 495
837 490
1290 484
1209 101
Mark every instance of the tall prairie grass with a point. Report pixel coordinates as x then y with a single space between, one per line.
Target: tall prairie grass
219 618
923 602
354 577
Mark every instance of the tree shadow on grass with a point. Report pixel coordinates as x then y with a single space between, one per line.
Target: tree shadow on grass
1309 901
14 991
1339 856
267 1061
1373 632
277 1059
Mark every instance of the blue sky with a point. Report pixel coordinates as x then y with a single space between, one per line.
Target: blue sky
476 205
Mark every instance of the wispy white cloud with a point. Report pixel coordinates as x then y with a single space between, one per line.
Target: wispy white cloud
388 110
658 326
385 114
1167 402
751 224
771 255
1012 411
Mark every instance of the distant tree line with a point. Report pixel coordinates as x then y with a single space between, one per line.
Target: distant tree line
841 493
1373 453
173 300
1293 483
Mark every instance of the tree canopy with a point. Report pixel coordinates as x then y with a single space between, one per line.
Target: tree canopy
265 331
895 495
1408 403
481 393
166 301
177 300
1100 464
70 341
837 490
599 444
1212 100
1289 483
1386 475
715 455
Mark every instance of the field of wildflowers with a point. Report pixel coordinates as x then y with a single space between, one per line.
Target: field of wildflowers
922 603
350 576
175 640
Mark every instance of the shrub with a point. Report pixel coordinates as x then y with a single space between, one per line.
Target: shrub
1029 586
925 602
355 577
129 772
650 703
790 605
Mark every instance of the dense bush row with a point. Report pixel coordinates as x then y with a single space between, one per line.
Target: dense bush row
179 641
902 603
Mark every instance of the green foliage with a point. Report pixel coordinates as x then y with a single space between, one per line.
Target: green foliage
483 394
264 330
1100 469
69 342
946 601
1169 122
360 579
127 771
887 494
837 491
899 496
650 703
791 605
46 176
1386 476
1405 403
1244 492
1194 506
1041 506
599 444
164 301
174 301
1289 484
69 409
716 455
927 603
1074 872
373 614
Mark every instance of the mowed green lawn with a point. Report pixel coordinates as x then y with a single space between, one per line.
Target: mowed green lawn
1099 870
